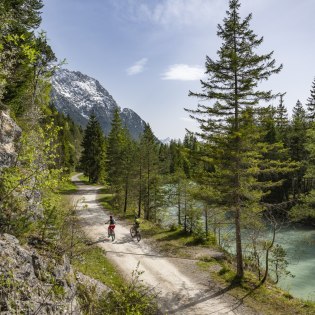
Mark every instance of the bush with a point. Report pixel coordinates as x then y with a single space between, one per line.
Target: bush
133 298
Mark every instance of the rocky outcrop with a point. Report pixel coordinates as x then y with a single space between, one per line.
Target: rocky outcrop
32 284
9 134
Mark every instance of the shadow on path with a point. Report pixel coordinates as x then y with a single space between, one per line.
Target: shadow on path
203 299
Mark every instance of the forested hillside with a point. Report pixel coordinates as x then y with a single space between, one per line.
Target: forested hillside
250 165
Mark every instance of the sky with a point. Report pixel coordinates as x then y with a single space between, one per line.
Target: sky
148 54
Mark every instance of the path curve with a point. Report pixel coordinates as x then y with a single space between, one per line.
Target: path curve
178 294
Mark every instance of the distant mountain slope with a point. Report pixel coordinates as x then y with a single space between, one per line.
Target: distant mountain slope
77 95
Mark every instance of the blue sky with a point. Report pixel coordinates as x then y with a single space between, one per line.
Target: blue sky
149 53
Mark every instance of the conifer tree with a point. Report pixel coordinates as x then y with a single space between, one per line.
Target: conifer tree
129 167
305 207
311 104
297 133
115 150
282 121
226 125
149 173
119 158
94 151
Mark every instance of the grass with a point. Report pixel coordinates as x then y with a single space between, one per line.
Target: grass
267 299
67 188
106 198
84 179
94 264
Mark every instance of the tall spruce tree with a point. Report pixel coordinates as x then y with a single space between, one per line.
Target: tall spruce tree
282 121
94 151
119 160
226 124
311 104
305 206
149 173
297 133
115 148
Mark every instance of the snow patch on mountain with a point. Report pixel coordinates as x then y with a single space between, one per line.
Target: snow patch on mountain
78 95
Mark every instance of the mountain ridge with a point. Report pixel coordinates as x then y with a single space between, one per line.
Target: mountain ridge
78 95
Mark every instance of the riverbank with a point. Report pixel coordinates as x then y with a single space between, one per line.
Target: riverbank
209 262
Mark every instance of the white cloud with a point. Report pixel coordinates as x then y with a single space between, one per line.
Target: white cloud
183 72
138 67
173 12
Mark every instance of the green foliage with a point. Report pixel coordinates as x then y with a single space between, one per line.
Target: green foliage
149 180
94 263
124 298
135 298
279 263
28 189
297 134
304 209
17 20
69 138
311 104
121 164
94 151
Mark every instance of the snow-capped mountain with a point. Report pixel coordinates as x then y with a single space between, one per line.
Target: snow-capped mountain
77 95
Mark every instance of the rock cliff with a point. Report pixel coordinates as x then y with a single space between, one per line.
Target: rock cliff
9 134
31 284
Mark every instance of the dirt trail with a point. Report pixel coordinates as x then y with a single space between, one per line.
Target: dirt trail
178 294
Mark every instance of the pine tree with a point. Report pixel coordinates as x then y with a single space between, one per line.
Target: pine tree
129 174
311 104
297 133
94 151
119 158
226 125
282 121
149 181
305 207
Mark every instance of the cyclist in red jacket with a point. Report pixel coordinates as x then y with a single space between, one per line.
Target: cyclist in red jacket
111 223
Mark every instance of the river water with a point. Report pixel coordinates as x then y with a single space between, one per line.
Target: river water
299 243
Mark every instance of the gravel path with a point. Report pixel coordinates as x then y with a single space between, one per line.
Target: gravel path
178 292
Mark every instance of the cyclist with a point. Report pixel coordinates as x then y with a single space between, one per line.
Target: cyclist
136 223
111 223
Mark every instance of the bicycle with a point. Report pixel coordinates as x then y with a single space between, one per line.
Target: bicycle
135 232
111 234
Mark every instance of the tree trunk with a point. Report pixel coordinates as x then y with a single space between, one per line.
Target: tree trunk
263 280
206 221
239 254
179 206
140 191
126 196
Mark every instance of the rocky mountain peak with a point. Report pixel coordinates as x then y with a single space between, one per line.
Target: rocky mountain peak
78 95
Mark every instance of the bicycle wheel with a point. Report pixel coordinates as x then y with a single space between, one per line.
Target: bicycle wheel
132 231
113 236
138 236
